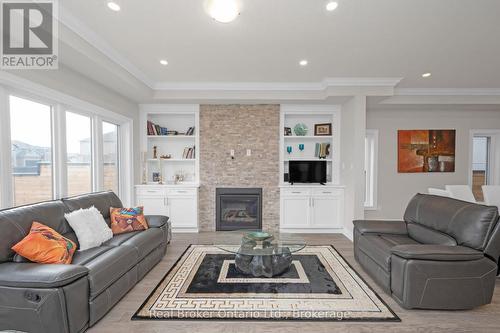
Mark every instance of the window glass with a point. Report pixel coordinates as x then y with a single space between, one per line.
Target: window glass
110 156
31 151
79 153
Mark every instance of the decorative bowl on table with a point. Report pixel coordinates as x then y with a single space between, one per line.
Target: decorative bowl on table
258 235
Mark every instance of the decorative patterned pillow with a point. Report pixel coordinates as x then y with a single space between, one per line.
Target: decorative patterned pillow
127 220
45 246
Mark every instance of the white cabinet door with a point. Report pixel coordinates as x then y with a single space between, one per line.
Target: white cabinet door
295 212
153 205
326 211
183 211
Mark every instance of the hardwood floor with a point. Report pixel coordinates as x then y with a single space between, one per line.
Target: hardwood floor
483 319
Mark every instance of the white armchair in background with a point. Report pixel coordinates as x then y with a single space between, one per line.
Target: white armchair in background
461 192
492 195
438 191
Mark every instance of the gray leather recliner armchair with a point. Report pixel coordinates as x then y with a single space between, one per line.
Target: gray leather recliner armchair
444 255
70 298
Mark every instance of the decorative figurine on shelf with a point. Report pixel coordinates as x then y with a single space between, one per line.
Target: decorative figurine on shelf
301 146
166 156
289 149
179 177
155 152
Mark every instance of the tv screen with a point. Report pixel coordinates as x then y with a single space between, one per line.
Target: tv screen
307 172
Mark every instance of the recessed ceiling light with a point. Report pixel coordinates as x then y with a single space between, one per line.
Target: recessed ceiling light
164 62
331 6
303 62
223 11
426 75
113 6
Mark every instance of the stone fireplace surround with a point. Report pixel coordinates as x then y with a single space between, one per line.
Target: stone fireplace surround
239 127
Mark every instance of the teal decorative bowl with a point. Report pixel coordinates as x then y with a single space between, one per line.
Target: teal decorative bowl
258 235
300 129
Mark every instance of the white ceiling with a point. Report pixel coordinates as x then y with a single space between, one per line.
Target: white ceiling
457 40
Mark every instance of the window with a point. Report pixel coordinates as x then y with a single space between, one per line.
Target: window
110 156
78 153
55 145
31 151
371 155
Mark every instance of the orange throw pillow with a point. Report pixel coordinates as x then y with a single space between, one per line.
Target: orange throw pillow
46 246
127 220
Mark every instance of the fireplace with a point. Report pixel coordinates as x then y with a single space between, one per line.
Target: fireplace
238 208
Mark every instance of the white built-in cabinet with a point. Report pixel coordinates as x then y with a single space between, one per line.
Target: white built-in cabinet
311 207
180 204
177 200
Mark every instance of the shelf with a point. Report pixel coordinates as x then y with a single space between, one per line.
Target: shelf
171 136
308 159
172 159
308 137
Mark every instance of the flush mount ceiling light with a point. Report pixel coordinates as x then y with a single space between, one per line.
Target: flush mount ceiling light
113 6
164 62
223 11
331 6
303 62
426 75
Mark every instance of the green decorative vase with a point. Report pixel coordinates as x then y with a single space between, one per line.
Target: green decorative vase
300 129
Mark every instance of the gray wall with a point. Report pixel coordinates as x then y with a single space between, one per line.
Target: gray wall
395 190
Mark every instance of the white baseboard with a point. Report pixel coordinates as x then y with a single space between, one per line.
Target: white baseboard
312 231
185 230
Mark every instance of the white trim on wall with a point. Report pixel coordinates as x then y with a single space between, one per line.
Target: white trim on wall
372 135
494 158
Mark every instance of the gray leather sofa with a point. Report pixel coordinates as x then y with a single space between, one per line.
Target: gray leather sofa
70 298
444 255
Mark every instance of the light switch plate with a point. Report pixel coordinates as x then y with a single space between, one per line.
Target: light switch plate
249 152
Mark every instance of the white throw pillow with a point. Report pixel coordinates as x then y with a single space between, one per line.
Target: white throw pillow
89 226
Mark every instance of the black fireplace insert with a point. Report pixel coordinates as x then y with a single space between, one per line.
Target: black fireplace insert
238 208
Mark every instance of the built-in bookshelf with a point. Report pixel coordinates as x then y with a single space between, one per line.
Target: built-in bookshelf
311 143
171 131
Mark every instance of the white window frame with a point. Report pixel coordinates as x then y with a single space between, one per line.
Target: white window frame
60 102
371 170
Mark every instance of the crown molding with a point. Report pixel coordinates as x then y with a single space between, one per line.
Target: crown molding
278 86
447 92
82 30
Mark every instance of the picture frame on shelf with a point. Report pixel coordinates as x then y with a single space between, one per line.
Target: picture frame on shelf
288 131
323 129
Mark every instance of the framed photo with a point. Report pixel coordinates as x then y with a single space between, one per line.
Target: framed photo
323 129
288 131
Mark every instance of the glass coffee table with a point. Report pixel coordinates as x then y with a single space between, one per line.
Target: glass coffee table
259 252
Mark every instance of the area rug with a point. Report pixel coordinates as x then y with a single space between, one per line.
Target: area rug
320 285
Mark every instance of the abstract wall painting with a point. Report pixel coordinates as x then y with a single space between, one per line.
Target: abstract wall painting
426 151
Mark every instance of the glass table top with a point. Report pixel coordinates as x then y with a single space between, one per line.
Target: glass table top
255 242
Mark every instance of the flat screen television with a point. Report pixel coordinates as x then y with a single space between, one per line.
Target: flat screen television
307 172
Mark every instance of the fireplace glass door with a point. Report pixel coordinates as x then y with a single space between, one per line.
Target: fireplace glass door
238 209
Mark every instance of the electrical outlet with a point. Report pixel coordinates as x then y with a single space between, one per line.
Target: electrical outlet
249 152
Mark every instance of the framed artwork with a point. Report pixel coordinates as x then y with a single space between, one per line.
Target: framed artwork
323 129
426 151
288 131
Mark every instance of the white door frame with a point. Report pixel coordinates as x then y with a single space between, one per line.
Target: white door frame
494 151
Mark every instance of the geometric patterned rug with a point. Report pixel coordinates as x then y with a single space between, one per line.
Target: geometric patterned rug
320 285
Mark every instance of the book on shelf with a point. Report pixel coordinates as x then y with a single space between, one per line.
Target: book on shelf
155 129
189 153
190 131
322 150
